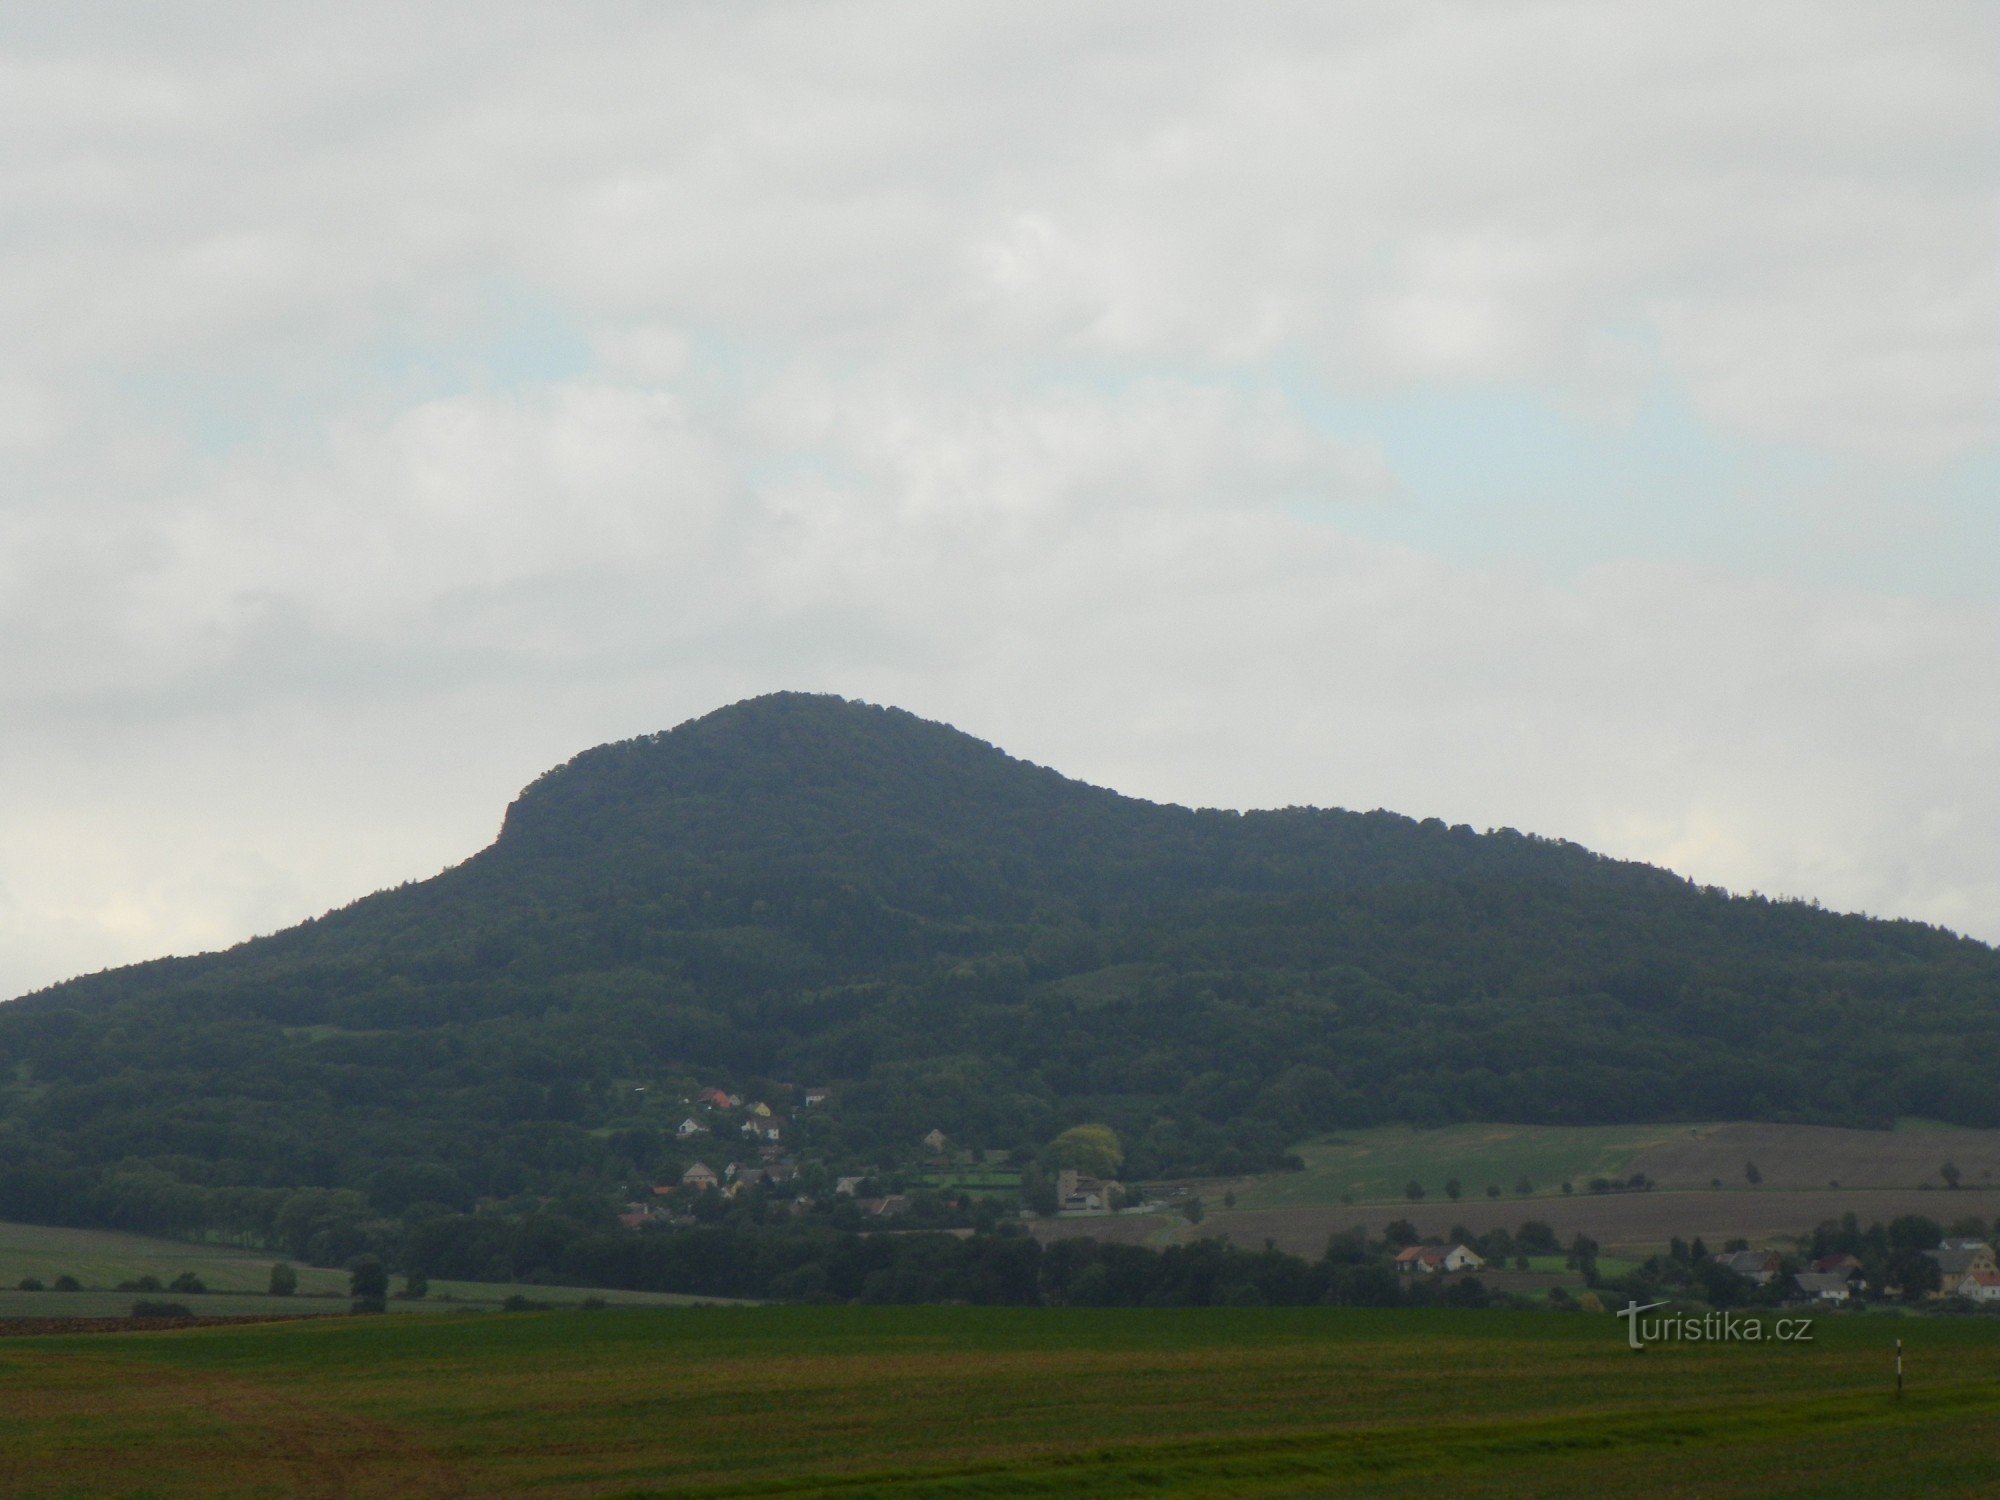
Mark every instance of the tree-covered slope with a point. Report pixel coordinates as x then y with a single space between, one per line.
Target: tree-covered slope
799 888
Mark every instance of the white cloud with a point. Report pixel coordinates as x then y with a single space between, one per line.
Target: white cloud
481 384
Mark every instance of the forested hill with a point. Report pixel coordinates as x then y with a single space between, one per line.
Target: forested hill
803 889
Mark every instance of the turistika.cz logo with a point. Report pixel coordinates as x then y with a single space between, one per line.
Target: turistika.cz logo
1709 1328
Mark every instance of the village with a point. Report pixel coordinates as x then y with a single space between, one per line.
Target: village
737 1145
759 1154
1964 1268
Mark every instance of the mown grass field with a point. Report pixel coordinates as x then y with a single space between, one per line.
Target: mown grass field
997 1402
236 1279
1375 1166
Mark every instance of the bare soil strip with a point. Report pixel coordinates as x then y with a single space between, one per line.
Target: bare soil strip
42 1327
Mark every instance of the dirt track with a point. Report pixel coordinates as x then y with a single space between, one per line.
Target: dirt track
40 1327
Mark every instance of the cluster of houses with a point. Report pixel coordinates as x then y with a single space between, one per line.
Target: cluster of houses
734 1180
1966 1268
774 1167
760 1123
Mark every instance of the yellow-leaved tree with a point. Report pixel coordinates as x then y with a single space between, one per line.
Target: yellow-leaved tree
1093 1149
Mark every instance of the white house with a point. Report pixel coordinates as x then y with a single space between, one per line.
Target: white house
1428 1260
1980 1286
1823 1286
690 1126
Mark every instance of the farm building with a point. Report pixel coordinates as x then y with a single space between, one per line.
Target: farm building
1428 1260
1822 1287
1758 1266
1957 1259
1077 1194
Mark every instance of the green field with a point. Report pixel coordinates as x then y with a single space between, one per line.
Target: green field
1607 1265
976 1180
236 1279
992 1402
1374 1165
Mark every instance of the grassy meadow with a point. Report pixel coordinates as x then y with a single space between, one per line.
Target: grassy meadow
996 1402
1375 1166
236 1279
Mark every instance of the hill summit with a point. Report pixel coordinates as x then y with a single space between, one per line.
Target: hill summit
801 889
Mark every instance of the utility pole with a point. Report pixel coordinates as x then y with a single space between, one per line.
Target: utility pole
1899 1369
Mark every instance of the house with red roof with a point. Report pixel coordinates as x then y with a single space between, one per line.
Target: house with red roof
1428 1260
1980 1286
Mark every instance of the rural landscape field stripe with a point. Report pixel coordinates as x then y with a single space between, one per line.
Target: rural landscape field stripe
1252 1465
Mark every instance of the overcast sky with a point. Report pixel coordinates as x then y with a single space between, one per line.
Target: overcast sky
1578 417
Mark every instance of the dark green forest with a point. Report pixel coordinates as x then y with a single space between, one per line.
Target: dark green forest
800 890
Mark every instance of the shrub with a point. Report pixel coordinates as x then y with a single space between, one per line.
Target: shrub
68 1283
187 1281
284 1280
